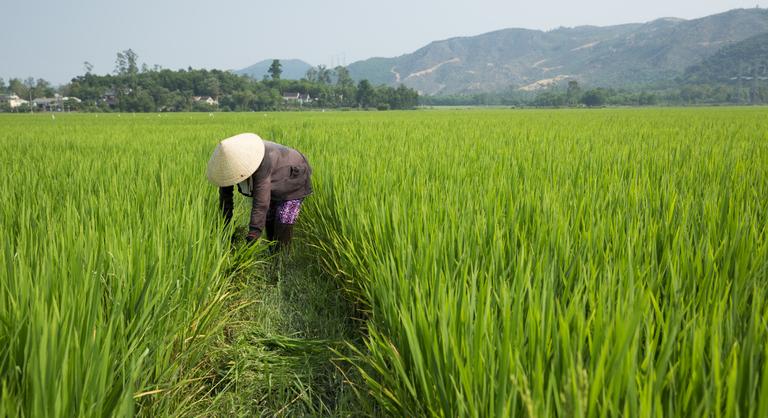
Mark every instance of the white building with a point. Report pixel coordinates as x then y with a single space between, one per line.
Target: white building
56 103
206 99
12 100
299 98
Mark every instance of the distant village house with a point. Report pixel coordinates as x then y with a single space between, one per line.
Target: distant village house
13 101
109 97
57 103
206 99
291 97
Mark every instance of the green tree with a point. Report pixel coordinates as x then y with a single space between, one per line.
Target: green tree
212 87
345 88
3 87
549 99
323 74
139 101
594 97
573 94
365 93
343 79
275 70
647 99
311 75
692 94
265 98
29 83
405 98
126 63
72 105
162 98
243 100
42 89
177 101
166 90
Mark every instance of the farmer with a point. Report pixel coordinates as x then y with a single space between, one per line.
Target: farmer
277 177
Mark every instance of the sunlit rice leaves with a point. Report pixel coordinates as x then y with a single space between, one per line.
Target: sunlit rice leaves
509 263
571 263
112 268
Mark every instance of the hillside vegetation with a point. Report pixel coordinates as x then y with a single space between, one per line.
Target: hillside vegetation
614 56
743 61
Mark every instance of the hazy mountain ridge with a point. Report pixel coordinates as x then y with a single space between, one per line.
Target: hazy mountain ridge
743 61
612 56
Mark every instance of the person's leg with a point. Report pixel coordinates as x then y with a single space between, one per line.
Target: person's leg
286 215
283 235
270 221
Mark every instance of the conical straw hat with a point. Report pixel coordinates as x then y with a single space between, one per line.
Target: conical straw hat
235 159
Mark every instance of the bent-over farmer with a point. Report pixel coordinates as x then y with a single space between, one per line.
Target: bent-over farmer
277 177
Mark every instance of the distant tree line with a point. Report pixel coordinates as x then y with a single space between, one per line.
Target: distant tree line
739 92
134 88
139 88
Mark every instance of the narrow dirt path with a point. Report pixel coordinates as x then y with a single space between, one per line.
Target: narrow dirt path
278 359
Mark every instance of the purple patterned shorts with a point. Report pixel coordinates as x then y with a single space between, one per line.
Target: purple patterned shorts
287 211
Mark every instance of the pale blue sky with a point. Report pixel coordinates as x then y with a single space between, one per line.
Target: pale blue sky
51 39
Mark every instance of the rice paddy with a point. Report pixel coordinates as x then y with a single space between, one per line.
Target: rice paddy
568 263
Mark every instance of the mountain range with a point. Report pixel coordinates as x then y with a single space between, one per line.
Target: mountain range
742 61
627 55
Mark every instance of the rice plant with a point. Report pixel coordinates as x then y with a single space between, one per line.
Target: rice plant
507 263
573 263
113 266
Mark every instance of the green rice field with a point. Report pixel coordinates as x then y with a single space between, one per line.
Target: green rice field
496 263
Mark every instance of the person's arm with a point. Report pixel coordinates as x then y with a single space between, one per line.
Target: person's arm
225 203
262 194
